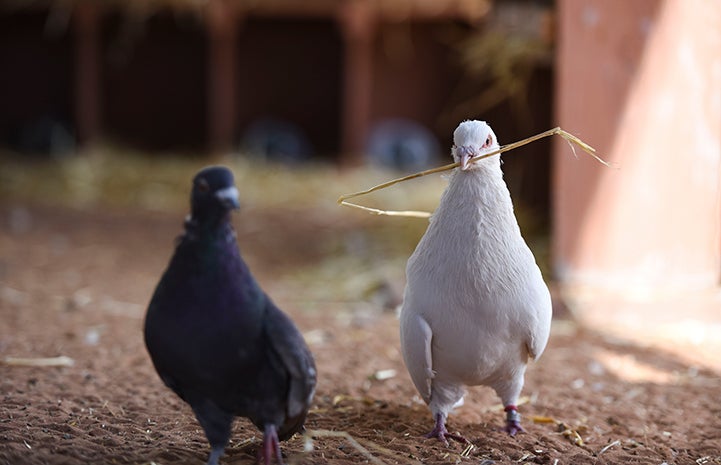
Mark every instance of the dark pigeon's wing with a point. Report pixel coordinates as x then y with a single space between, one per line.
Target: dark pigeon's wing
290 347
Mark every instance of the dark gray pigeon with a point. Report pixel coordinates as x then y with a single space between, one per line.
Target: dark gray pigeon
217 339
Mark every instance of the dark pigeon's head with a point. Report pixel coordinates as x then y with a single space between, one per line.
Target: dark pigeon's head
214 193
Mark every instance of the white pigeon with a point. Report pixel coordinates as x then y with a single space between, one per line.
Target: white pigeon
475 308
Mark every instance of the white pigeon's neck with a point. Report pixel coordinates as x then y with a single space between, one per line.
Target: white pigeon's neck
478 192
480 177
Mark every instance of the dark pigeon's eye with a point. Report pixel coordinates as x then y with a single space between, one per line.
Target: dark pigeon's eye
203 185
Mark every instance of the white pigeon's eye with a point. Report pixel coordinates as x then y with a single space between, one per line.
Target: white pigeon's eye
489 141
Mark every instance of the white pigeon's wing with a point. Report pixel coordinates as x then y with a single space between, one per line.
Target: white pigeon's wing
416 336
539 324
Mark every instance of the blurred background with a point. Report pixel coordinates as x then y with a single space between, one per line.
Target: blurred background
109 107
349 83
115 104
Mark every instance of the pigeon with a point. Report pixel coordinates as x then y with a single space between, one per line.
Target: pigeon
475 307
217 340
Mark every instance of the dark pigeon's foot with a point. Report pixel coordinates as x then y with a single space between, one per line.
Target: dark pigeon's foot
215 455
271 447
513 421
440 432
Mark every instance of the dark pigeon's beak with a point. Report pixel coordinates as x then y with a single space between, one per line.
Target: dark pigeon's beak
228 197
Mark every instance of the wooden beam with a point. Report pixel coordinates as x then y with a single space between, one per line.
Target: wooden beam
470 11
222 74
87 72
357 25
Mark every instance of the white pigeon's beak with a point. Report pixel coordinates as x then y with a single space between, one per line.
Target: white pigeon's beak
465 154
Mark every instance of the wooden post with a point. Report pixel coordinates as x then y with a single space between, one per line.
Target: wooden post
643 85
222 74
357 25
87 72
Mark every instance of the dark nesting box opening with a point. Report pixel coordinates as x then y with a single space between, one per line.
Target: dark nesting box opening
154 80
36 82
527 170
289 86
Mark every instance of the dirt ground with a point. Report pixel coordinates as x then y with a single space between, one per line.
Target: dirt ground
75 283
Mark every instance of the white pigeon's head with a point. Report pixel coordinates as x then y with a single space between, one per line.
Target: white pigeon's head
471 139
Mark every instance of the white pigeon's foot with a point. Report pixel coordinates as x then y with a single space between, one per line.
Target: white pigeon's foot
513 421
440 432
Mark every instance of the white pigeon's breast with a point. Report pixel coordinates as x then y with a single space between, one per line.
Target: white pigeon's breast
476 283
478 315
469 261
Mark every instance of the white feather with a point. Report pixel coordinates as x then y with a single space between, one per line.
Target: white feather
476 307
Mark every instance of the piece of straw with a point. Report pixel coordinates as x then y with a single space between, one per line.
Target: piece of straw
557 131
62 361
351 440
